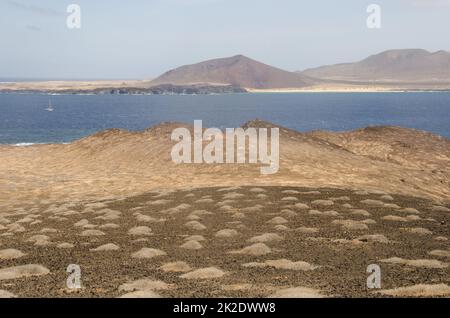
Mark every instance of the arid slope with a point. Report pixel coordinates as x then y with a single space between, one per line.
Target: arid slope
119 163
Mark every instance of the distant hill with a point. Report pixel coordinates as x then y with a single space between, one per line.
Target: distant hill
238 70
408 65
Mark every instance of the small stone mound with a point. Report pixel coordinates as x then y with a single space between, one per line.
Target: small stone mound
342 198
394 218
281 227
65 245
192 217
238 216
410 211
347 241
378 238
141 294
92 233
10 253
233 195
326 213
311 192
201 213
351 225
440 253
425 263
176 267
204 273
314 212
439 208
256 208
108 215
195 225
330 213
417 230
198 238
288 213
140 231
106 247
6 294
257 190
108 226
226 233
422 290
284 264
297 292
48 230
237 287
387 197
144 284
142 218
22 271
159 202
192 245
374 203
266 237
307 230
360 212
206 200
290 192
392 206
89 226
148 253
257 249
301 206
226 208
289 199
278 220
322 202
39 240
15 228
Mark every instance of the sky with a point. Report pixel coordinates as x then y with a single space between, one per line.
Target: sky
140 39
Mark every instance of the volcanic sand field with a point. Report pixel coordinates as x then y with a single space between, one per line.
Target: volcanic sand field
229 242
138 225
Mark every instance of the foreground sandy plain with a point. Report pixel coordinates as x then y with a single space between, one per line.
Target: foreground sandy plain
140 226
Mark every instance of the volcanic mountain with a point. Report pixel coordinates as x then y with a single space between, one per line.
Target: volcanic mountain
238 70
407 65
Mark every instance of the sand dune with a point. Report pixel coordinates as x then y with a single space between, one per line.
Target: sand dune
116 163
138 225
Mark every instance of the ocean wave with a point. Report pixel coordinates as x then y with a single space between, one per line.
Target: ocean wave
27 144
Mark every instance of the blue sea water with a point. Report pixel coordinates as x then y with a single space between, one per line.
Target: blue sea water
23 118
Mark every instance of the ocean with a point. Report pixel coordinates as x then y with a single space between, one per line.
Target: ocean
24 120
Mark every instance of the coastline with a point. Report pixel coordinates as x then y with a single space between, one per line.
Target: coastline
144 87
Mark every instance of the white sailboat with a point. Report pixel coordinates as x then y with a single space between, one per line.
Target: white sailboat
50 107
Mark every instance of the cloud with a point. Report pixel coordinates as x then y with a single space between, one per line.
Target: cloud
43 11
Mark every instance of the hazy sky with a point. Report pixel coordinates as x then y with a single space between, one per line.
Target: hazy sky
143 38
